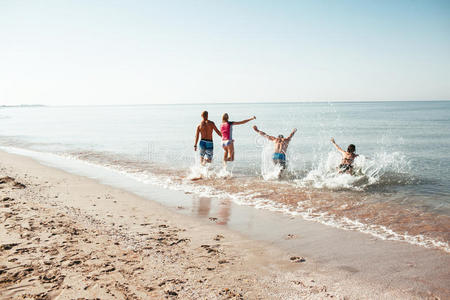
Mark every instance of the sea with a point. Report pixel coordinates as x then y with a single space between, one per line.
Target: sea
400 189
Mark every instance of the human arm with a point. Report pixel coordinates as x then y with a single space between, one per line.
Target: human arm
262 133
245 121
217 130
337 146
292 134
196 137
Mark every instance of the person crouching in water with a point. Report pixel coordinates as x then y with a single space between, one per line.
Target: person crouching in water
281 144
205 130
348 157
227 136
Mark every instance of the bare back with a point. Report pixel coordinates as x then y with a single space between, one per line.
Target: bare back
348 158
281 145
206 128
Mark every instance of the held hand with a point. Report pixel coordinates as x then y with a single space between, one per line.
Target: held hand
255 128
332 140
253 118
295 130
195 147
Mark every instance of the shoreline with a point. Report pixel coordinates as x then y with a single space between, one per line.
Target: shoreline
160 246
334 212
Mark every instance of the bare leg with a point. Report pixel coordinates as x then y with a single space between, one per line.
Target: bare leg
225 154
231 151
350 171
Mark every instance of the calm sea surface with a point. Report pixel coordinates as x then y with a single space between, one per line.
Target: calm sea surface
400 191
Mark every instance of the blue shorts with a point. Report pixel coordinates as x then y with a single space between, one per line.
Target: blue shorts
279 159
279 156
206 149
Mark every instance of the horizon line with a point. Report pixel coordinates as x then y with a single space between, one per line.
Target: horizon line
220 103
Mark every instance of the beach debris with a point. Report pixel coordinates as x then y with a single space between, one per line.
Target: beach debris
109 270
218 237
230 294
18 185
210 249
171 293
297 259
179 241
6 179
74 262
298 282
7 246
290 236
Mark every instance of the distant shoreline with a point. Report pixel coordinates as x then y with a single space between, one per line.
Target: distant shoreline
23 105
229 103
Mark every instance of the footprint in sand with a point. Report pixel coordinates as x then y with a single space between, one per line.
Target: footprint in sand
297 259
290 236
218 237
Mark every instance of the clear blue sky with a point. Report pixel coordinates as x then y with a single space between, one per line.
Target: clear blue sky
116 52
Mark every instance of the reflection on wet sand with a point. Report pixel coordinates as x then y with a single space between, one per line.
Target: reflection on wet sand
202 208
224 212
355 210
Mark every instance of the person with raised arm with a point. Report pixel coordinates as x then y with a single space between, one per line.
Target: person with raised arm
281 143
205 131
227 136
348 157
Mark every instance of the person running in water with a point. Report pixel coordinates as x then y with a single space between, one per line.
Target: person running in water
227 136
281 144
205 130
348 157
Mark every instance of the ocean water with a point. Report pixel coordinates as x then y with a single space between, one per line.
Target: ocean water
400 190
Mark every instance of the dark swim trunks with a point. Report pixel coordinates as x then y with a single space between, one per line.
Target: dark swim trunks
207 149
279 159
345 167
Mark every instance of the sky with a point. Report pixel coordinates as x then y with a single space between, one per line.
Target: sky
193 51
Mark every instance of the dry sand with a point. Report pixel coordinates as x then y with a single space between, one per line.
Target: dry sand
63 236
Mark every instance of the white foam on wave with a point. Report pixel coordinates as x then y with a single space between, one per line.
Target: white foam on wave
249 199
198 171
367 171
269 170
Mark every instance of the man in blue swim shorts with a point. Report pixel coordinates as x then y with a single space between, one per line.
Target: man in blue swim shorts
281 144
205 131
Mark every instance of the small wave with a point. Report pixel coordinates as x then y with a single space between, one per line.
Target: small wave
382 169
199 171
269 170
253 197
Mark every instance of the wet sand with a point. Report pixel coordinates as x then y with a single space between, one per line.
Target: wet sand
65 236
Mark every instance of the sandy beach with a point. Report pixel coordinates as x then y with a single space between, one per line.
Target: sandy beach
63 236
225 150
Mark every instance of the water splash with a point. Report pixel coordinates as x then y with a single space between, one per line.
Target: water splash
199 171
380 170
269 170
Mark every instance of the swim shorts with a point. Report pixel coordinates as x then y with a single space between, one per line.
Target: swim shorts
279 159
206 149
345 167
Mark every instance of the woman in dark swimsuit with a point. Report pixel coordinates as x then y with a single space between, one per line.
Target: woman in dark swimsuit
348 157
